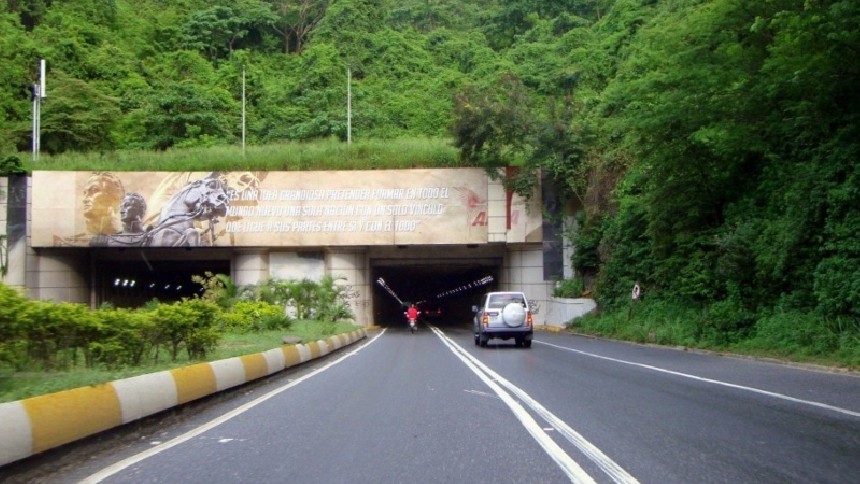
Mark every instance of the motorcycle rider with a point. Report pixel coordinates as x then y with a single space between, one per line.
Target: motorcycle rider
412 313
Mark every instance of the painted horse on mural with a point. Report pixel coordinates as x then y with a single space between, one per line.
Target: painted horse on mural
204 200
187 219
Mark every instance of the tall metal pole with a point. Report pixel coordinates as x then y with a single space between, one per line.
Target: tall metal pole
38 125
243 110
34 136
348 104
38 93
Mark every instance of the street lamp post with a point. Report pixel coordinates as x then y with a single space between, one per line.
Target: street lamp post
348 104
243 110
39 92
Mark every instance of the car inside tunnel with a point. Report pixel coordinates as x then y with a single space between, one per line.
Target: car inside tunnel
443 289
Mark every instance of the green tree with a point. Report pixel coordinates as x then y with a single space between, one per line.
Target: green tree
296 20
494 126
18 72
77 116
185 107
217 31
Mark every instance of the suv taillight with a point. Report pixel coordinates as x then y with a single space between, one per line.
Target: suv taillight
485 319
529 318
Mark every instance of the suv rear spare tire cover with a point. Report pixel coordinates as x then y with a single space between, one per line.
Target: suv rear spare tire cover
514 315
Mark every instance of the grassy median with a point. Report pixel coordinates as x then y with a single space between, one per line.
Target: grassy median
25 384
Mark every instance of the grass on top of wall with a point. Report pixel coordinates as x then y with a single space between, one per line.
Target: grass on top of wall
331 154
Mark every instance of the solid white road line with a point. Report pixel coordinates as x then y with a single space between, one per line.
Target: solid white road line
607 465
570 467
712 381
123 464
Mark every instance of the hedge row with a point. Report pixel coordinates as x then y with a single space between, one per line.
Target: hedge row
48 335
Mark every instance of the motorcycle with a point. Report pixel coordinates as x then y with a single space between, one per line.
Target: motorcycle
413 321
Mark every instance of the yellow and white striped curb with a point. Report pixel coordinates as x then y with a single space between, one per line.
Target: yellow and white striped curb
33 425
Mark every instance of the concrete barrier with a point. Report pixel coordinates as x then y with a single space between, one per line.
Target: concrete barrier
560 311
33 425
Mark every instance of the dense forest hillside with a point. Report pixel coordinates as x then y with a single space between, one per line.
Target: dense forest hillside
713 145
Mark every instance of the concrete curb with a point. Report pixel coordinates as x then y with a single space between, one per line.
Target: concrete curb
33 425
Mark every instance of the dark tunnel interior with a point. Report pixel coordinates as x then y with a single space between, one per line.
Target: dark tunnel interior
443 290
133 283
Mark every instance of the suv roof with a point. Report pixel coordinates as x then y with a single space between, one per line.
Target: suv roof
502 298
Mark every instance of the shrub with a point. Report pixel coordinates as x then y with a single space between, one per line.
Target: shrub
124 337
795 332
51 331
837 286
569 288
726 322
190 323
217 288
11 307
248 316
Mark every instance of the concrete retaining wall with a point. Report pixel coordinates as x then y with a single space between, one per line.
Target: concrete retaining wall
560 311
40 423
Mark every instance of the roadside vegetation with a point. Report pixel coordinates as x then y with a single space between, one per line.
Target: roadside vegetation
791 336
47 347
326 154
709 148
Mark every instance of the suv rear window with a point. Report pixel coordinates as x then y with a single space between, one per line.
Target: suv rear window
502 300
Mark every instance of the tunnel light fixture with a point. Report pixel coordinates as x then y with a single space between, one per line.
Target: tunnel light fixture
467 287
381 282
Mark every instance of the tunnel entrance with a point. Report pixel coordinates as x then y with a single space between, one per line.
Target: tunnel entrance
443 288
134 280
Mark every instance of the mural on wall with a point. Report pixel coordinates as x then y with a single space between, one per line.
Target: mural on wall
187 210
196 209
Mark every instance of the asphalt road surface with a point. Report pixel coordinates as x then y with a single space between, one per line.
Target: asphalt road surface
433 407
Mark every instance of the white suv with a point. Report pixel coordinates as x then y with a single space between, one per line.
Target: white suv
503 315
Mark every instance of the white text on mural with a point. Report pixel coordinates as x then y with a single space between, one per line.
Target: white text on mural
335 210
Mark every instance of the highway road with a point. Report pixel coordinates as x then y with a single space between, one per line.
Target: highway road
433 407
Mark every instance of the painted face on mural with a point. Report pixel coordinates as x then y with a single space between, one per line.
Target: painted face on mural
131 211
102 195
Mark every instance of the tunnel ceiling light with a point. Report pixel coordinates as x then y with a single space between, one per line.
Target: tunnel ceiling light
472 285
381 282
